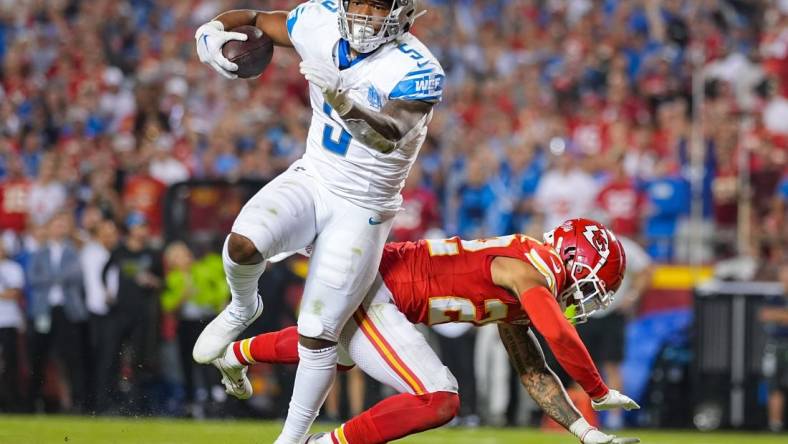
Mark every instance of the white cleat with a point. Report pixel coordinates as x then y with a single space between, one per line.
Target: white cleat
220 332
234 379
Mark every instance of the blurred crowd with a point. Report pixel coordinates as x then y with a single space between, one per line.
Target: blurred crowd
640 113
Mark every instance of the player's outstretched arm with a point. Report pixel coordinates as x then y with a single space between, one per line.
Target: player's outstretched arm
545 387
539 302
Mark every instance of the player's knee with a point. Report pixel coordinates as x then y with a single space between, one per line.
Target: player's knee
312 333
444 406
242 250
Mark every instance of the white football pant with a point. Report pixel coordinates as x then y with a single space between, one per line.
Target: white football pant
295 210
388 347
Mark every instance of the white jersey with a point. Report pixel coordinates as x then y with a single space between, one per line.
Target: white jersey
400 70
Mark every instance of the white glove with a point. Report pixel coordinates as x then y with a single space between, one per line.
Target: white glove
326 77
590 435
210 39
613 400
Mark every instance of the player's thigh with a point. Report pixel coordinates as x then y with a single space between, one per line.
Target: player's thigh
389 348
281 216
342 268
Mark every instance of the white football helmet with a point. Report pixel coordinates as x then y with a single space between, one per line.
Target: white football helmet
359 29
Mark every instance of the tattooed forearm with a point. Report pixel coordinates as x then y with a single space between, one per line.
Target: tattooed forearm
547 391
542 384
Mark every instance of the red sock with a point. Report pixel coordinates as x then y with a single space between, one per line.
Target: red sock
279 347
398 416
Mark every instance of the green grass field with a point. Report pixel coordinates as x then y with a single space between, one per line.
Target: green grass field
51 430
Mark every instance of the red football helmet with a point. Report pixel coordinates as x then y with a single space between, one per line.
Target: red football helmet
595 261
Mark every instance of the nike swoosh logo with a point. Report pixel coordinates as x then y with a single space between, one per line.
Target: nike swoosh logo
422 64
372 221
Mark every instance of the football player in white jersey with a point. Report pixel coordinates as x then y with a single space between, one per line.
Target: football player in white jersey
372 87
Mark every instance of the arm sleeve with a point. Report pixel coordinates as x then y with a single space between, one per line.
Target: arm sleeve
563 340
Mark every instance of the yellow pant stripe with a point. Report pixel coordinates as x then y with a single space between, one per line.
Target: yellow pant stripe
404 373
341 434
246 349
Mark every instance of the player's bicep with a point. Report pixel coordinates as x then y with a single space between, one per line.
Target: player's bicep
516 275
524 351
275 24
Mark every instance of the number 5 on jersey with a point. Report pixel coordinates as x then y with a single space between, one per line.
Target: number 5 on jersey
338 145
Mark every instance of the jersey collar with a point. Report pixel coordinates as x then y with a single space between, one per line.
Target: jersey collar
343 55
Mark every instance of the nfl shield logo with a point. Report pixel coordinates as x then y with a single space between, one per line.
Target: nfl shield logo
374 98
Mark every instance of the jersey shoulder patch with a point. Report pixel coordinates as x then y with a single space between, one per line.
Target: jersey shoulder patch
421 76
549 265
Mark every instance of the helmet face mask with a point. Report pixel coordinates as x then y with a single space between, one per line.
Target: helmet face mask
366 33
587 293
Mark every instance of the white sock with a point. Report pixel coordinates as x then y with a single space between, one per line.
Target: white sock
316 372
230 358
581 428
242 280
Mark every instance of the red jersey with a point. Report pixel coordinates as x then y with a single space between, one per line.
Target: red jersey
449 280
145 194
623 203
14 206
419 213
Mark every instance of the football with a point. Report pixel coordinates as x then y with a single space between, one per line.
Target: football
253 55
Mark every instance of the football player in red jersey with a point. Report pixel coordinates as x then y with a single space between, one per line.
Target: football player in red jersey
514 280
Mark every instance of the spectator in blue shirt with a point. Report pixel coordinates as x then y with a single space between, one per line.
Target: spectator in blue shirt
476 196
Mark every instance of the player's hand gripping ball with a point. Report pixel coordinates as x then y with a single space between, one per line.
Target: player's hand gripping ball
252 55
242 52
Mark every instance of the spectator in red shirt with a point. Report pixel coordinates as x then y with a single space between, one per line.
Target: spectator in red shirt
144 194
14 197
622 202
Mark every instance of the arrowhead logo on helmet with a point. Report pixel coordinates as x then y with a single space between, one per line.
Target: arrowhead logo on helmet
598 238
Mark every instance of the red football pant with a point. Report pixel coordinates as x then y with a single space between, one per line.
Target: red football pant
393 418
397 417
